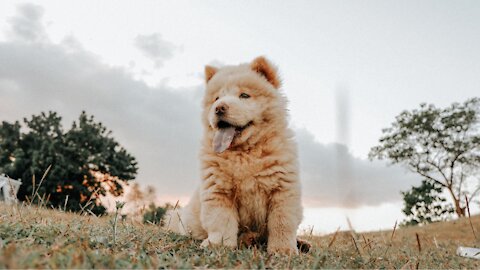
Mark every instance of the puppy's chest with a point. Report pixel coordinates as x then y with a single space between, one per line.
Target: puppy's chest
250 173
253 181
252 202
241 168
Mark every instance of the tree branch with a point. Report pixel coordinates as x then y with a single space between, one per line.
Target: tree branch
452 165
438 169
474 193
419 171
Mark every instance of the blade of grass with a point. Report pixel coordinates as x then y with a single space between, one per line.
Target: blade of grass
391 239
65 204
469 218
356 247
40 184
394 229
33 185
419 245
334 237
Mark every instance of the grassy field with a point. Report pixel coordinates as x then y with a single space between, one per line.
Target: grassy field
31 237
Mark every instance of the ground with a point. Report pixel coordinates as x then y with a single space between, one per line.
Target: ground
32 237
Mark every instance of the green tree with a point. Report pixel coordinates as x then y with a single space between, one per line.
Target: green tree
441 145
424 204
86 162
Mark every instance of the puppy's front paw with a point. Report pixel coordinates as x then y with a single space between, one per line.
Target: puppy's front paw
282 249
303 245
205 243
219 240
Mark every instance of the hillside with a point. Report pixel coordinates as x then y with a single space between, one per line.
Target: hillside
31 237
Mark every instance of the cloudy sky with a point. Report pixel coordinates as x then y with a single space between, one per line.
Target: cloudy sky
348 69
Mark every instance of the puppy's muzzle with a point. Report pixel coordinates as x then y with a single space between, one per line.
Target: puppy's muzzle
221 109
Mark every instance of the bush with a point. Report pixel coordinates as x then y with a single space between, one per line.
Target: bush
154 214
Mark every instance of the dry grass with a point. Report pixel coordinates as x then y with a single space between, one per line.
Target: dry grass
431 246
38 238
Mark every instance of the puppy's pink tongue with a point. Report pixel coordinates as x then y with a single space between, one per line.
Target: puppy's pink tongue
223 138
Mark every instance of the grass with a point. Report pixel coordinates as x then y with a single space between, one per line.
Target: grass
32 237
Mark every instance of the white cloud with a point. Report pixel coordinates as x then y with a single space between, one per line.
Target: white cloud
27 24
159 125
154 47
331 176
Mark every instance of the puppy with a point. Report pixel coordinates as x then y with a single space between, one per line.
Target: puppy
250 180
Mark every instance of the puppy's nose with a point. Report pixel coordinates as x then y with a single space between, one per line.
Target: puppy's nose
221 109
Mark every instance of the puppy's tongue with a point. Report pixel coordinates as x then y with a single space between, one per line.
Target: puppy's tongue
223 138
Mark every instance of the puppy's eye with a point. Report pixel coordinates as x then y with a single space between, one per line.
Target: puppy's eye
216 98
243 95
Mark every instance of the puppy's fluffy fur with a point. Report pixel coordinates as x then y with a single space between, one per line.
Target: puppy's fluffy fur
252 185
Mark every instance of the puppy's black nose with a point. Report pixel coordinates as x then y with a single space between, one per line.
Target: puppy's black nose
221 109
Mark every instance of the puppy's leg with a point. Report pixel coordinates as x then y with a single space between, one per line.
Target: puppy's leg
219 218
251 239
186 221
283 220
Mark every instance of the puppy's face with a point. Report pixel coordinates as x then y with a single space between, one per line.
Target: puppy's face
239 101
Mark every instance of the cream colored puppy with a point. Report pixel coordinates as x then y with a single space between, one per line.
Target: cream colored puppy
249 163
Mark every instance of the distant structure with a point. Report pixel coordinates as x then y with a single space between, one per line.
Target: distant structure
8 189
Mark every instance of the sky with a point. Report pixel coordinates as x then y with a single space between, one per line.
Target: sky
348 68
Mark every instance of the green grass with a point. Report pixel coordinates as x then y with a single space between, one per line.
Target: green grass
32 237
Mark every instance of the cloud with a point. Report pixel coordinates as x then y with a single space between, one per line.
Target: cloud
154 47
160 125
331 176
27 24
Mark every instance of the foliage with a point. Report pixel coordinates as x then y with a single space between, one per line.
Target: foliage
424 204
154 214
86 162
441 145
137 198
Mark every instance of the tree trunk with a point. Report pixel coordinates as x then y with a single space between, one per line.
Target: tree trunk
458 209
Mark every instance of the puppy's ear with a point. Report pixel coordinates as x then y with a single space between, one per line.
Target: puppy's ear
266 69
209 72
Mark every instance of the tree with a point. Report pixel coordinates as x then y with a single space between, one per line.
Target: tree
424 204
441 145
86 162
137 199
